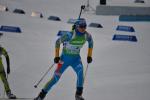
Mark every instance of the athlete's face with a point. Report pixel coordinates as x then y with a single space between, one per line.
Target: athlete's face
81 29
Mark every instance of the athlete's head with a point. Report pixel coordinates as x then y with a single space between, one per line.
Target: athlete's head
81 25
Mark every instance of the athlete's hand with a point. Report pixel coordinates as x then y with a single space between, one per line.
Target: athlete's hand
89 59
56 59
8 70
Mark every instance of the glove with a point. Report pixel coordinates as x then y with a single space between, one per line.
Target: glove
8 70
89 59
56 59
8 65
83 6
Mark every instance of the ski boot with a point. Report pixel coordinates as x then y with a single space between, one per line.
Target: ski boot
10 95
79 97
41 96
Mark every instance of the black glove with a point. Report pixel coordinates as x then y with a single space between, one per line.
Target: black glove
83 6
56 59
8 70
89 59
8 65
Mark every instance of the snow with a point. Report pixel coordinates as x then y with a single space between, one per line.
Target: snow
119 71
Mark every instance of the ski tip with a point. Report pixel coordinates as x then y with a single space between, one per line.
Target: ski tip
17 99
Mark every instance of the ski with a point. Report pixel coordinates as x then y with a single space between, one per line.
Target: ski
17 99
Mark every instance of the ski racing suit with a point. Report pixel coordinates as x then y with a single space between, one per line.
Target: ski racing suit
72 43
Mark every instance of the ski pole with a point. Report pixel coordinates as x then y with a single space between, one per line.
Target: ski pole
82 7
35 86
85 72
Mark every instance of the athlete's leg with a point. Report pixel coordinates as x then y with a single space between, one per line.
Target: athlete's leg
78 68
4 79
57 74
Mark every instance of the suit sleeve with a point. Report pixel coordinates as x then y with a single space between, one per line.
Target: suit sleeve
90 45
60 40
